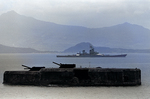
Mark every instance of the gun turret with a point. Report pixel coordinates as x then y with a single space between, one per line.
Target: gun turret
32 68
65 65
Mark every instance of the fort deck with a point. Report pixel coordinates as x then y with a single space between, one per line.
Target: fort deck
75 77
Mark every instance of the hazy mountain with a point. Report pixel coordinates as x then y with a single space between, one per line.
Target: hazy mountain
7 49
21 31
79 47
86 46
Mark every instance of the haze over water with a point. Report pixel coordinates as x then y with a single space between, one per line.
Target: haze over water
14 62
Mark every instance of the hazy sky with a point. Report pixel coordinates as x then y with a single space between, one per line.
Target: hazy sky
87 13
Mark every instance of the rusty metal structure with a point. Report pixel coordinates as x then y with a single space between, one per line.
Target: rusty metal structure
68 75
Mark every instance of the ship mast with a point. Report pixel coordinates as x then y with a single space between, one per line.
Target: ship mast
92 50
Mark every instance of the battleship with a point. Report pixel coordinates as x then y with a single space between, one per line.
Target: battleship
69 75
92 53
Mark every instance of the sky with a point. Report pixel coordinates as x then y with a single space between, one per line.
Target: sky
87 13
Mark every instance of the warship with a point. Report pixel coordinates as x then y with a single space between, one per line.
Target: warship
69 75
92 53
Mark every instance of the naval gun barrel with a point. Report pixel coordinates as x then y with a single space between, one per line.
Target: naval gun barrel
65 65
57 63
26 67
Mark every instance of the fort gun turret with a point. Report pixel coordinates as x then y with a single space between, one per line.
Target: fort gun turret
32 68
68 75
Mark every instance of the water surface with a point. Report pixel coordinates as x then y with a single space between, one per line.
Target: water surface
14 62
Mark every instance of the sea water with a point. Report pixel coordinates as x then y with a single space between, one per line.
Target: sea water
14 62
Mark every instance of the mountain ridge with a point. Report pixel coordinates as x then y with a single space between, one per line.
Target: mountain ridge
8 49
21 31
86 46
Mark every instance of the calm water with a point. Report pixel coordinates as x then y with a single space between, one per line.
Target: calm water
14 62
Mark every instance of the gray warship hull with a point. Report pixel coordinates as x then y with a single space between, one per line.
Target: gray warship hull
119 55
